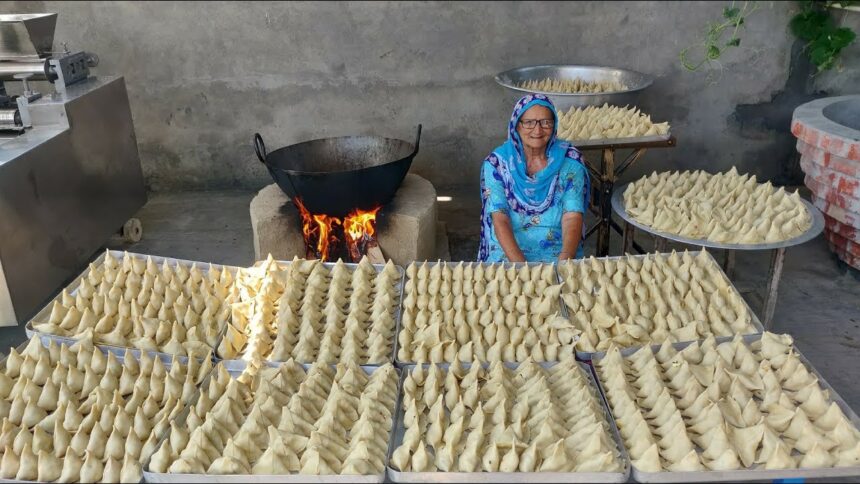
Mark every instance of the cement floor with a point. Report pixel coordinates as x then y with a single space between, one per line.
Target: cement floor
819 299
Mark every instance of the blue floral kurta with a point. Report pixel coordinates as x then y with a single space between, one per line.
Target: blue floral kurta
537 234
535 204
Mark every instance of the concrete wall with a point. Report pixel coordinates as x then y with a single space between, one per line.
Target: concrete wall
203 77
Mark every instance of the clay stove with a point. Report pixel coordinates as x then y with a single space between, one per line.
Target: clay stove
339 186
406 228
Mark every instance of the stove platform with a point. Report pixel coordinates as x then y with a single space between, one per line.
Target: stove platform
407 229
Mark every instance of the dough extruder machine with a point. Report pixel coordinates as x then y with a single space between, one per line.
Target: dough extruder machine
70 173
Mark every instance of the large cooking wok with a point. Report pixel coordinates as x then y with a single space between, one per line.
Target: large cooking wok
335 176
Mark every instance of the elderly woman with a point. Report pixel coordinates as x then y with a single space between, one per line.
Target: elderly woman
534 191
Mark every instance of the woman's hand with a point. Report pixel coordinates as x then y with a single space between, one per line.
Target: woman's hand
505 235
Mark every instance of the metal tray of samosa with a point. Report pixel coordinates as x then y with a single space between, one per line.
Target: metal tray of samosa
491 477
72 288
398 309
754 473
119 353
562 308
816 227
628 350
235 368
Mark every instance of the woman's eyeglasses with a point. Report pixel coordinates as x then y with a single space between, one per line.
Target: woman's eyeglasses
531 123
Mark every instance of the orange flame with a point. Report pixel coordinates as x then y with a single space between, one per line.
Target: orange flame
360 224
318 230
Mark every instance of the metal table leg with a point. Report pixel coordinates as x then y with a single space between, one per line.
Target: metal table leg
775 273
607 168
602 186
635 155
638 248
627 238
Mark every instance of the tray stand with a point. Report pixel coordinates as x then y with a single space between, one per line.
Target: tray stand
603 183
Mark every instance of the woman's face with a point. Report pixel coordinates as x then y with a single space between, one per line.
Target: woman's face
536 137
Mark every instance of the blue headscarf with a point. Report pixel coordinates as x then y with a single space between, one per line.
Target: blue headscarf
533 193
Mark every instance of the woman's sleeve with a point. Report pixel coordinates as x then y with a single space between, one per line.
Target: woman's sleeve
573 197
492 190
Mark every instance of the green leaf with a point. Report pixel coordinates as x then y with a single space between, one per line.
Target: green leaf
841 37
810 24
822 56
731 13
713 52
733 42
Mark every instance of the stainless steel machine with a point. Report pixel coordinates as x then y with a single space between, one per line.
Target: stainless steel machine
70 173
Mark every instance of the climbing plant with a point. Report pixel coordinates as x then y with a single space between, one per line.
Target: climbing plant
824 40
813 24
720 36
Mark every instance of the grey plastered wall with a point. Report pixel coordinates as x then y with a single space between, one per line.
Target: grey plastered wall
203 77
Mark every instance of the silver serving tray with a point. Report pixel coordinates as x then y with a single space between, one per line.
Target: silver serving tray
751 474
166 359
235 368
588 355
816 228
45 313
397 311
401 364
635 81
620 142
492 477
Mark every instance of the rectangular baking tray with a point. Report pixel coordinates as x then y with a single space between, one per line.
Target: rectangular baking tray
752 474
120 356
588 355
506 265
492 477
45 313
117 351
397 310
235 368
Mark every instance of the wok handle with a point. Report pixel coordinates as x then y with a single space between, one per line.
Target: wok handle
260 148
417 140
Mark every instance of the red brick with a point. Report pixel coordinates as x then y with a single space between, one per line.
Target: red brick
833 225
837 145
829 160
846 217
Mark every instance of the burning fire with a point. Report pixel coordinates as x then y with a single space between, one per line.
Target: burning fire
360 224
319 230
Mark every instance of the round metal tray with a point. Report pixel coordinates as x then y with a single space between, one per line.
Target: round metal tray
635 81
816 228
